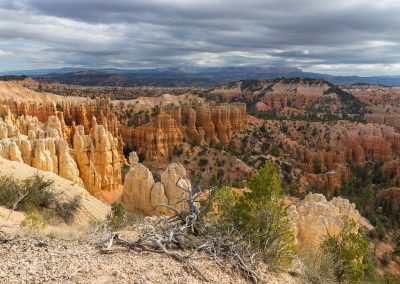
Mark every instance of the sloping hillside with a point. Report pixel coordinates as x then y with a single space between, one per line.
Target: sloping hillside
295 96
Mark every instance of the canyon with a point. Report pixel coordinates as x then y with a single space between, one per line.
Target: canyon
143 151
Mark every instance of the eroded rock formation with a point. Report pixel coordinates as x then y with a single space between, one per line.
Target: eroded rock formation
314 218
174 124
141 193
38 145
99 162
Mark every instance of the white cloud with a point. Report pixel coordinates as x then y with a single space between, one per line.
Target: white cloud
5 53
328 36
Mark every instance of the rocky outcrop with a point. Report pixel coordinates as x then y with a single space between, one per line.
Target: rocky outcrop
330 180
138 185
142 194
353 143
175 124
303 94
99 162
39 145
156 138
175 181
314 218
69 112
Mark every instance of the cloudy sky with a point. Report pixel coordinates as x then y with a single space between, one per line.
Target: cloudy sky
331 36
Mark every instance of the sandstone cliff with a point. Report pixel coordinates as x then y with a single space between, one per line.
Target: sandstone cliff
39 145
99 162
175 124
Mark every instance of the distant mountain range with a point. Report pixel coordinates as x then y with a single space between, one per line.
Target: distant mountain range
186 76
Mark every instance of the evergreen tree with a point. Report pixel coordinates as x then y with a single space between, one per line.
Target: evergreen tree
347 250
260 215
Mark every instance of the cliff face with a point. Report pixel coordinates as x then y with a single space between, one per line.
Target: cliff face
70 113
38 145
357 144
156 138
42 111
314 218
93 162
142 194
175 124
99 162
330 180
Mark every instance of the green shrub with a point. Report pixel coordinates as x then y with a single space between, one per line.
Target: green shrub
275 151
9 191
34 192
317 165
203 162
260 215
348 249
33 222
124 171
389 278
59 107
371 273
318 266
67 210
386 259
177 150
377 233
118 218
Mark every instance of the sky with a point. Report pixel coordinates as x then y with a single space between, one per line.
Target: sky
345 37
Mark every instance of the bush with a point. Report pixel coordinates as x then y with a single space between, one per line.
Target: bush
177 150
33 222
203 162
318 266
118 217
389 278
67 210
317 165
275 151
371 273
386 259
348 249
377 233
124 171
34 192
59 107
260 215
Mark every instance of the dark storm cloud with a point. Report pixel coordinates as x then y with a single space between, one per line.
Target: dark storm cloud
312 34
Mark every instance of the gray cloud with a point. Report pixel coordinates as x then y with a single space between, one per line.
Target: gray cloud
348 36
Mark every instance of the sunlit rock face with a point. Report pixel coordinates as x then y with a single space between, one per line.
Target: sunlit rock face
174 124
314 218
142 193
99 162
39 145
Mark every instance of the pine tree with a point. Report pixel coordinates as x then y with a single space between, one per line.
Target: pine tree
347 250
260 214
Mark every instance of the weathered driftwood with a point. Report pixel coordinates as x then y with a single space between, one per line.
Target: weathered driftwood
186 233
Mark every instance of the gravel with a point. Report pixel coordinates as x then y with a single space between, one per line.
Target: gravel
50 260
